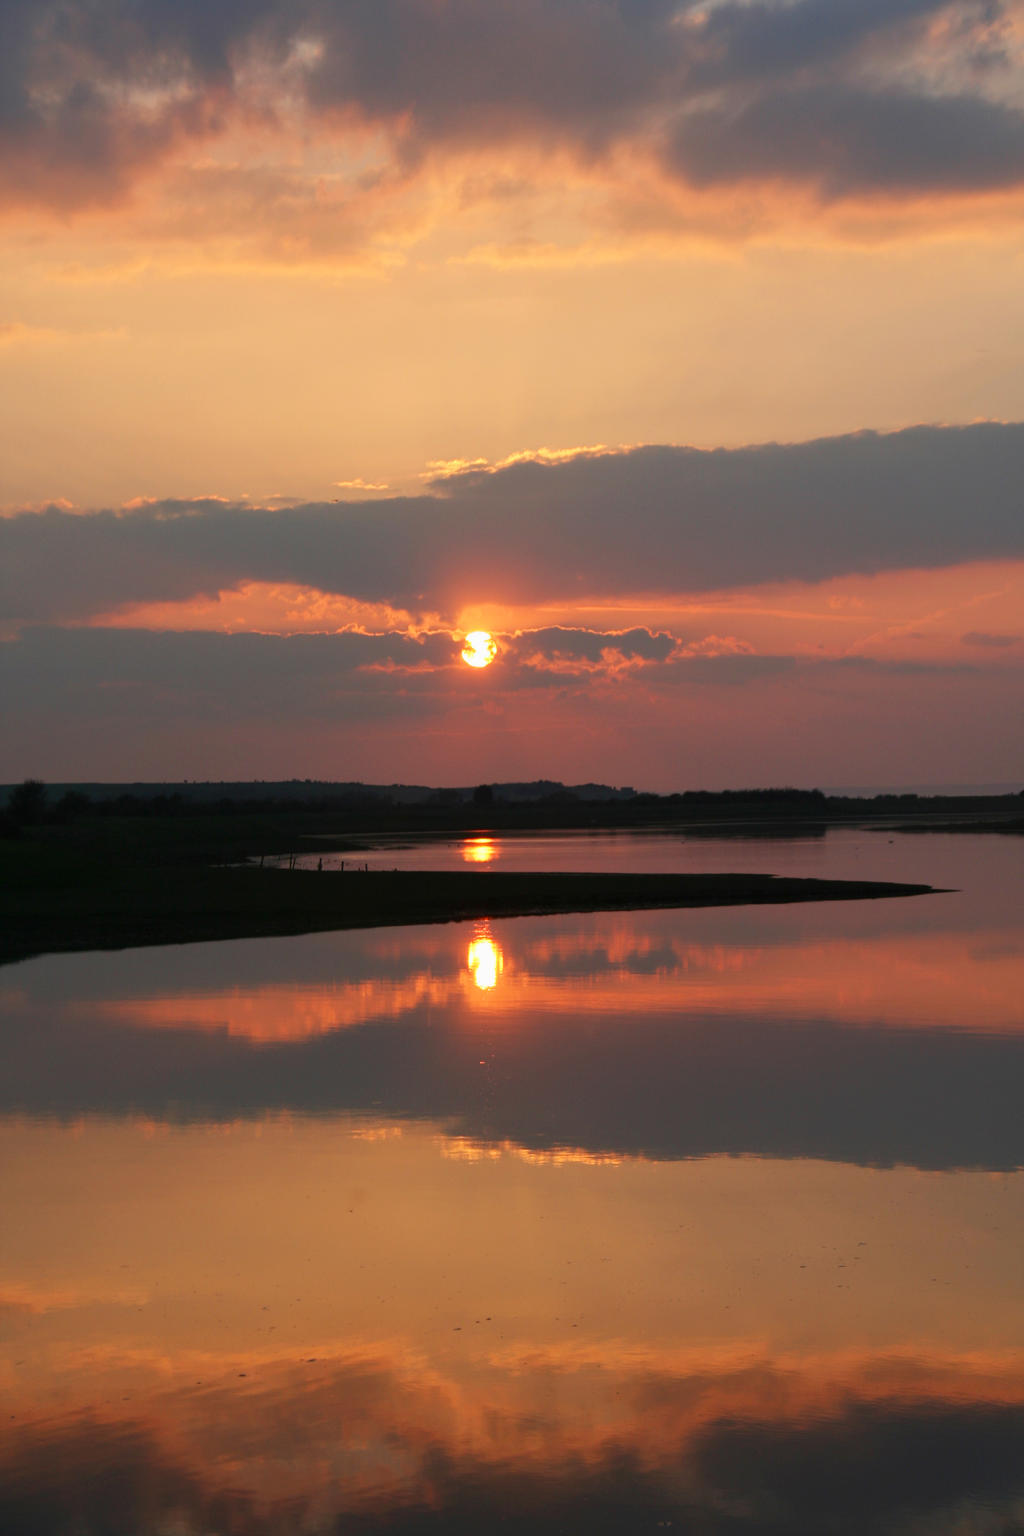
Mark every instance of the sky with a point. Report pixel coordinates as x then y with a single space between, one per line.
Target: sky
679 345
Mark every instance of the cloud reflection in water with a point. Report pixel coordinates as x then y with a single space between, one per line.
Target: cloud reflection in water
661 1035
446 1230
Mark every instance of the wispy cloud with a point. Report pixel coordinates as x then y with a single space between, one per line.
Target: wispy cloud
362 486
18 333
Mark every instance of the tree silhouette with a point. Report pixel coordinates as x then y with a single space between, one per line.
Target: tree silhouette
26 803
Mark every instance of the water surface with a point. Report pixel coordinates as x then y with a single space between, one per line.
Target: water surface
703 1219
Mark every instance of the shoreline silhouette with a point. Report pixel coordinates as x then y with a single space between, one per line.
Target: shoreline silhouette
132 870
139 907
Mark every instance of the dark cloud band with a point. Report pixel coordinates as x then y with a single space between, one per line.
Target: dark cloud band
93 93
654 520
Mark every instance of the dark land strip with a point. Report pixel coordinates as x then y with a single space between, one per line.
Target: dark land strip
1007 825
124 907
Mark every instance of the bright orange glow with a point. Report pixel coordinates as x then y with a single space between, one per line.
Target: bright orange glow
485 962
479 850
479 649
285 1012
902 981
897 615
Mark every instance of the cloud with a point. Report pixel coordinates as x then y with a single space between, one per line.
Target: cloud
850 97
682 1078
758 40
124 704
373 1442
155 675
717 645
714 667
557 650
846 141
990 641
90 96
644 521
145 674
924 1464
900 666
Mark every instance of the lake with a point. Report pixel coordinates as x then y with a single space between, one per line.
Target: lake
705 1220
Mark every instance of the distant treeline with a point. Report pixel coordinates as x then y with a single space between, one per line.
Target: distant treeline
320 792
495 806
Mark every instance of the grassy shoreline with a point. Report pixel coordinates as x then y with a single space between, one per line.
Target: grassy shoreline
121 908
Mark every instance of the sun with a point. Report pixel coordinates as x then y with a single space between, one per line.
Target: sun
479 649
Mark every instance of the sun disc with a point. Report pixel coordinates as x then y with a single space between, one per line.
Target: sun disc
479 649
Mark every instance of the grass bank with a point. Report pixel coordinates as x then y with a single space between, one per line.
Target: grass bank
53 904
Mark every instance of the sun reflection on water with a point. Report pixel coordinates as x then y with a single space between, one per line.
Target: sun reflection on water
479 850
485 962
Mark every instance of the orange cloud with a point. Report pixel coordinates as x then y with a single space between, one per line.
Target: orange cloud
652 119
271 608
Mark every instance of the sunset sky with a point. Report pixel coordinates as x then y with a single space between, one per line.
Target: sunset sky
678 345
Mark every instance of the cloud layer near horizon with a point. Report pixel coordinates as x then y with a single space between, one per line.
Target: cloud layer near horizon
635 707
152 675
654 520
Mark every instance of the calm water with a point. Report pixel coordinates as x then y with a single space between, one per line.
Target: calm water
701 1220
